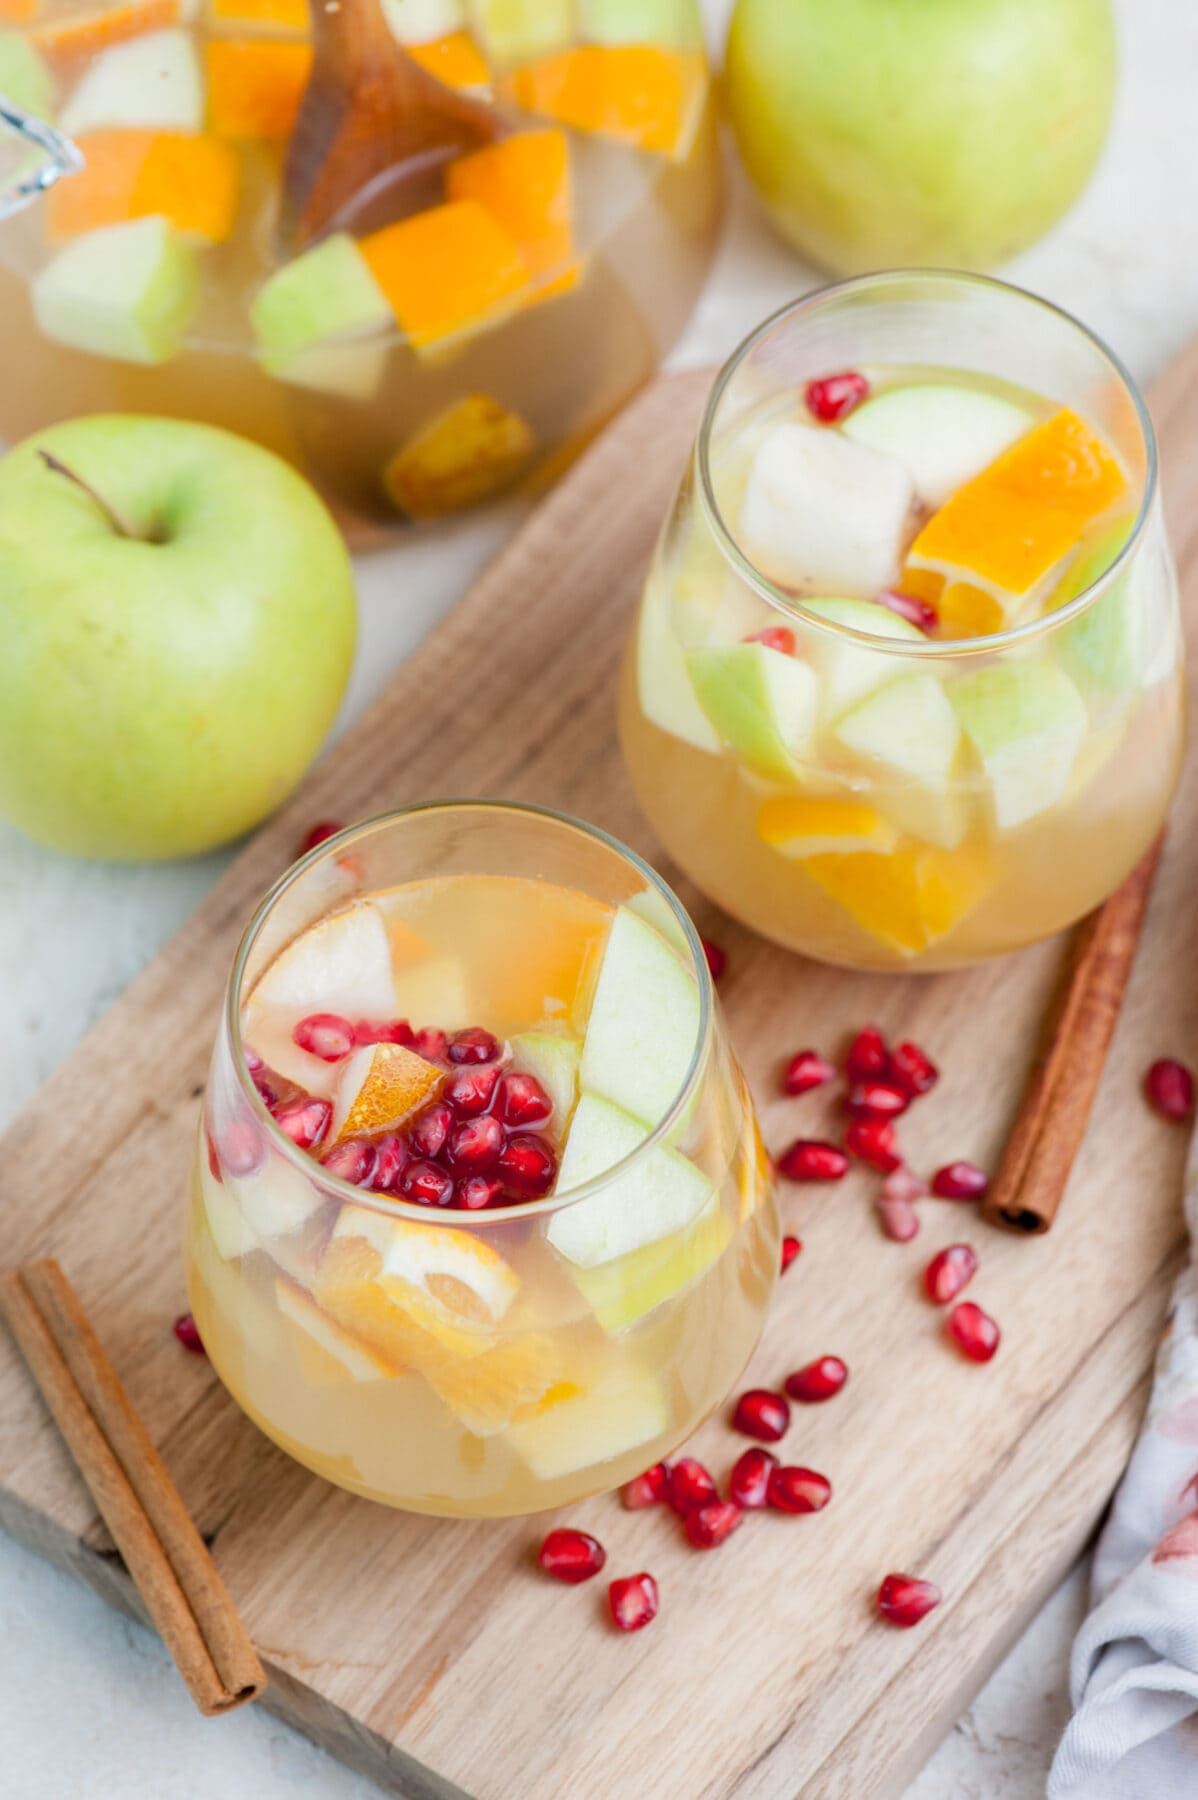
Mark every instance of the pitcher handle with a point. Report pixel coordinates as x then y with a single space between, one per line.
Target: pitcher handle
63 157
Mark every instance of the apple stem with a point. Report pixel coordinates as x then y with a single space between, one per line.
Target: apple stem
113 517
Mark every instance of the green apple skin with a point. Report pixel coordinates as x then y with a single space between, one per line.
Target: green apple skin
933 133
163 692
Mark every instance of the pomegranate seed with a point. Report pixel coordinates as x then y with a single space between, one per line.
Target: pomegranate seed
649 1489
876 1100
898 1218
1170 1089
809 1159
913 1070
188 1334
253 1061
791 1246
690 1485
326 1035
473 1046
904 1184
305 1120
916 612
242 1149
833 397
477 1191
717 958
873 1141
429 1130
761 1414
523 1101
867 1058
391 1162
571 1556
807 1069
960 1181
748 1483
433 1045
383 1031
818 1380
427 1184
471 1091
974 1331
774 637
707 1527
266 1083
320 834
796 1490
905 1600
948 1272
527 1166
633 1601
476 1143
352 1161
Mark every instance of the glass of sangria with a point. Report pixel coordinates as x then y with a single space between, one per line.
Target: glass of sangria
480 1218
462 327
906 688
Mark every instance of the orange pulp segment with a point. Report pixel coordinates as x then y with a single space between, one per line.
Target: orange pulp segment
445 269
803 825
909 899
987 551
187 177
382 1084
455 60
472 450
517 1378
524 182
18 12
637 93
87 33
260 15
255 86
327 1352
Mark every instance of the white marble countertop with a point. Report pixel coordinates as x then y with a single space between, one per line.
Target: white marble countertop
89 1704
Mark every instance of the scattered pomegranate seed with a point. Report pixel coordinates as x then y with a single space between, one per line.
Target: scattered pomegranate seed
873 1141
717 958
905 1600
649 1489
527 1166
473 1046
818 1380
960 1181
706 1527
476 1192
352 1161
429 1130
916 612
834 397
383 1031
948 1272
774 637
188 1334
795 1490
791 1247
876 1100
898 1218
633 1601
523 1101
392 1160
571 1556
326 1035
807 1069
305 1120
690 1485
471 1091
320 834
1170 1089
426 1184
475 1144
748 1483
761 1414
810 1159
904 1184
974 1331
867 1058
433 1045
913 1070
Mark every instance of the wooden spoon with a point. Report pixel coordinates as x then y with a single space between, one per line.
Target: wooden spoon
374 129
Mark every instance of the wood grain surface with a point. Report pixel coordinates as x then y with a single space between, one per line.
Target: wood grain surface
430 1653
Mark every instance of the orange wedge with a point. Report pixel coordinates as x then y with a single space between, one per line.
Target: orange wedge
639 94
524 182
984 557
472 450
255 86
445 269
18 12
259 15
187 177
455 60
909 899
327 1352
87 33
803 825
517 1379
380 1085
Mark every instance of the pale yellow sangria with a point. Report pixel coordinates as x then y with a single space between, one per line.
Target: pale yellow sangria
906 688
480 1219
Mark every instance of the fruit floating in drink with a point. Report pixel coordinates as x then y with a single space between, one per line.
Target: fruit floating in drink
906 688
460 332
480 1218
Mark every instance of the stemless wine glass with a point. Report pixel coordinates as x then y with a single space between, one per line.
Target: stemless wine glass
858 790
517 1357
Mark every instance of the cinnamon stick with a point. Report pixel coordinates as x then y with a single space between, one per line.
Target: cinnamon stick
164 1553
1051 1122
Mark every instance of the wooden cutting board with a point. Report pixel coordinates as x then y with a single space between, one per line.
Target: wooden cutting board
431 1654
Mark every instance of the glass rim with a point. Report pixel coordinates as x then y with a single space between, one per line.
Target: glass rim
394 1205
930 648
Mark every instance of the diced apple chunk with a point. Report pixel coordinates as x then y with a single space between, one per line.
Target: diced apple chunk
25 76
423 21
664 1192
908 729
467 454
761 702
128 292
643 1027
942 434
553 1061
624 1407
152 82
321 321
514 31
641 22
1027 722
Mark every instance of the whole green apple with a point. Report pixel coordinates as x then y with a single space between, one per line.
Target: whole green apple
935 133
177 624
